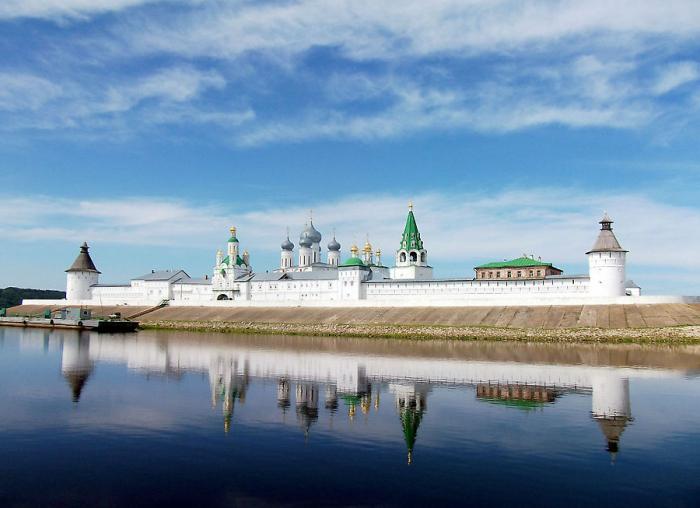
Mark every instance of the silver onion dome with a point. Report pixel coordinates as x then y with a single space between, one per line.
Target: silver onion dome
305 240
333 245
313 234
287 244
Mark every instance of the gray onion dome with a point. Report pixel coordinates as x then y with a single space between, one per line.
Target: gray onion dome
287 244
333 245
304 240
312 233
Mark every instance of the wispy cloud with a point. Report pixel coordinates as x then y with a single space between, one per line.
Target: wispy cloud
370 29
71 9
675 75
177 84
480 65
583 96
26 92
171 95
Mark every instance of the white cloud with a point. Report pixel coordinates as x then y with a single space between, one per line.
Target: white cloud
368 29
675 75
166 96
491 107
534 63
19 91
173 85
63 8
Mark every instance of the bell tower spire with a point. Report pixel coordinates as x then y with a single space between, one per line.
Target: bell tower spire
412 256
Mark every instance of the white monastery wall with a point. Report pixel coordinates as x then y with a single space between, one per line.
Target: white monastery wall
358 281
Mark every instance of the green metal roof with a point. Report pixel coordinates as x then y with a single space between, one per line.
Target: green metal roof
525 405
410 240
233 239
521 262
353 262
351 400
239 261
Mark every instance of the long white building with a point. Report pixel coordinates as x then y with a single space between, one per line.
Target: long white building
305 278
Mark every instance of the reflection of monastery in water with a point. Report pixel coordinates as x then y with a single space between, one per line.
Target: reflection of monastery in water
353 383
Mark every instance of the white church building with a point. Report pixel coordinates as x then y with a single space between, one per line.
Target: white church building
305 278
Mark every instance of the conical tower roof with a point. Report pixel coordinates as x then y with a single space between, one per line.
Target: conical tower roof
410 240
77 380
612 428
83 263
606 241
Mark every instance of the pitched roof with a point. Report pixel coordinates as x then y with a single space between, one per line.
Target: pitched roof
320 275
162 275
521 262
203 281
267 277
83 263
410 240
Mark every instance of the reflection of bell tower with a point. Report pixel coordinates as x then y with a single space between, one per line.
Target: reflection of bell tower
226 384
283 395
307 405
75 363
411 403
366 401
331 397
611 408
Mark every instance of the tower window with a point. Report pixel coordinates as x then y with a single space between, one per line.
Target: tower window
414 256
402 257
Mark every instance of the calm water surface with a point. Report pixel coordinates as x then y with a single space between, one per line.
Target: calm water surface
179 419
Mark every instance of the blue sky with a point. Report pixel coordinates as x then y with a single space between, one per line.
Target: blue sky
147 128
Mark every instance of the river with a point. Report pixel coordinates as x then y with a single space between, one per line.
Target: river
192 419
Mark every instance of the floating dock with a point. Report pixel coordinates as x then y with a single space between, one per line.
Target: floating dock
98 325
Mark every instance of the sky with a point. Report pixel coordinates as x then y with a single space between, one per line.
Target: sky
148 128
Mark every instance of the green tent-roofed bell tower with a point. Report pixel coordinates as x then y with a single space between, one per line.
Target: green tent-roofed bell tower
412 257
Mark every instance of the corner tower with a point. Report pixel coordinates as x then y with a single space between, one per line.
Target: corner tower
606 262
82 275
411 257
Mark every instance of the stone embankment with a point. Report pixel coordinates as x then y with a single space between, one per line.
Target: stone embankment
679 334
576 323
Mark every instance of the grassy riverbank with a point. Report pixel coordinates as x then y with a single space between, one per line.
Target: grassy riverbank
665 335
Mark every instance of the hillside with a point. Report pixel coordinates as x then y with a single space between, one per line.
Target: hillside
9 297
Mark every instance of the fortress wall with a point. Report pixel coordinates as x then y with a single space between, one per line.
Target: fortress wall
560 316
